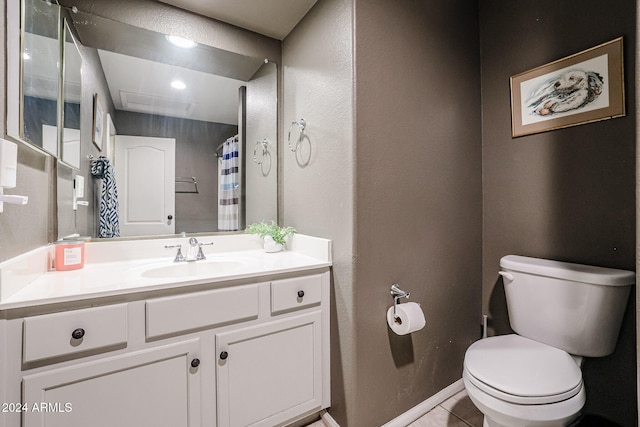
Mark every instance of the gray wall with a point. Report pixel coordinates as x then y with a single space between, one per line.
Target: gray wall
566 194
401 200
418 196
464 198
318 182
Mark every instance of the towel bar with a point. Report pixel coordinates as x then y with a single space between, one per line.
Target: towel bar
188 180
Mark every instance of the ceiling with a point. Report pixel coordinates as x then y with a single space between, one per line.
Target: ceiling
272 18
137 92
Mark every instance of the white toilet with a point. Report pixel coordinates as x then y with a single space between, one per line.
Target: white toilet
560 312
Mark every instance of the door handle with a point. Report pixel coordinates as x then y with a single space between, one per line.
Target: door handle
169 218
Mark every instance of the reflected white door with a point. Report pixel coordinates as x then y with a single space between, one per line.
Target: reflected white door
145 175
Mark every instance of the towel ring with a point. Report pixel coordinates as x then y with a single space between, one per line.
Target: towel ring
301 125
265 149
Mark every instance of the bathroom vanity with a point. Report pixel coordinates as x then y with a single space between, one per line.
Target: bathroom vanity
238 339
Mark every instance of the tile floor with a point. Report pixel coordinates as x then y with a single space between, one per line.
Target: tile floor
457 411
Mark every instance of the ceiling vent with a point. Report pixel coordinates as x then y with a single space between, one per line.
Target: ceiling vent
150 104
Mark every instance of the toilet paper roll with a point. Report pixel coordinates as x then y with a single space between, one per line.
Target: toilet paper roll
410 318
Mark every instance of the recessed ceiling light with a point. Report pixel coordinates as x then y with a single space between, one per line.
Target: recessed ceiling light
181 41
177 84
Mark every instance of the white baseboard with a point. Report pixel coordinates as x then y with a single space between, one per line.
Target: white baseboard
328 420
403 420
420 409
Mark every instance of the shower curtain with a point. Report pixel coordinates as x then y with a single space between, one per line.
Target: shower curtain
229 186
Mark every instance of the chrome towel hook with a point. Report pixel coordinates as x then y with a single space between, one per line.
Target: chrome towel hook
397 293
302 124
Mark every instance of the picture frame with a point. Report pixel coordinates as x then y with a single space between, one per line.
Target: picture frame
582 88
98 122
109 138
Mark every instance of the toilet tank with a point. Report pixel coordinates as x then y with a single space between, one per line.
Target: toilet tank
574 307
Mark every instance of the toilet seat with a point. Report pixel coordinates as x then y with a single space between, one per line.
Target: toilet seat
522 371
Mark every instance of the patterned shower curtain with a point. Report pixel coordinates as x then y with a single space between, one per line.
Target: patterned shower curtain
229 187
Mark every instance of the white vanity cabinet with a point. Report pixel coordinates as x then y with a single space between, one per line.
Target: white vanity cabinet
243 353
269 373
152 387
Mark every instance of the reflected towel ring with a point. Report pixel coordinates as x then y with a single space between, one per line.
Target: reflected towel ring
265 150
301 125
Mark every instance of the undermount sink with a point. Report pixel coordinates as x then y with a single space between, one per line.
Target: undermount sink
197 268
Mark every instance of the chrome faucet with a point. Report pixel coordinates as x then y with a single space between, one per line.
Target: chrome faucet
194 251
192 255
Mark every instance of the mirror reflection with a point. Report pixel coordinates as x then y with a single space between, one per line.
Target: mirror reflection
182 116
40 56
72 95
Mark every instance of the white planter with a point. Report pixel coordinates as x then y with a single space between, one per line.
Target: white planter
271 246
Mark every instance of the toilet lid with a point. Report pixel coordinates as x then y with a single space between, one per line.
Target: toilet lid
518 369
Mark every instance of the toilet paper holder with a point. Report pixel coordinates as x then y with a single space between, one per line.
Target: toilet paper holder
397 293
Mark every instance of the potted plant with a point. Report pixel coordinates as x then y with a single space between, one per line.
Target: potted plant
274 236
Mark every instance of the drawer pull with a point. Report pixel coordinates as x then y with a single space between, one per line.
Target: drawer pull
195 363
224 355
300 294
77 333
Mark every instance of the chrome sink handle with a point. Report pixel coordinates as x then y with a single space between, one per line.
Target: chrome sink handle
201 255
193 243
179 257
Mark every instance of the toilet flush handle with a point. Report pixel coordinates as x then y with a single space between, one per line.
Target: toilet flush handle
506 275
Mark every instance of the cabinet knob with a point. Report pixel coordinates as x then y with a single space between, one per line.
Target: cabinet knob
195 363
224 355
300 294
77 333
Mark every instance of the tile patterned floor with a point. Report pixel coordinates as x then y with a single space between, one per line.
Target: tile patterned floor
457 411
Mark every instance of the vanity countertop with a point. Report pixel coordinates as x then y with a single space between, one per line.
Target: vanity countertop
112 268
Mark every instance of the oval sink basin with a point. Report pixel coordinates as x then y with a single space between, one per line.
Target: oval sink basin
192 269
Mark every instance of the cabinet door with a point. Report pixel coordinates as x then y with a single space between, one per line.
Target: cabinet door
270 373
153 387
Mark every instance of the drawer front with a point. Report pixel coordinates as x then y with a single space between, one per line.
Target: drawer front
52 335
296 293
200 310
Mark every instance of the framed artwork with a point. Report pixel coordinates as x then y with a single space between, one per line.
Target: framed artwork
98 122
582 88
110 135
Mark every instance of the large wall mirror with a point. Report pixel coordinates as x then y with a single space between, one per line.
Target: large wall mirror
167 92
40 59
50 94
71 99
167 117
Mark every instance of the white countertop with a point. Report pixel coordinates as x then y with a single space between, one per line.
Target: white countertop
111 268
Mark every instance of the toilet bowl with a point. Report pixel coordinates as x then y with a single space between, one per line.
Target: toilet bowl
559 312
515 381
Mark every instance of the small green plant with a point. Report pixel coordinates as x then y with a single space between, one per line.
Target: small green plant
277 233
